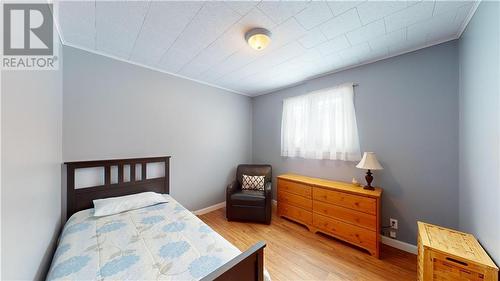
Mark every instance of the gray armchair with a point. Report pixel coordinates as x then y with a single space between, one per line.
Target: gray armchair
250 205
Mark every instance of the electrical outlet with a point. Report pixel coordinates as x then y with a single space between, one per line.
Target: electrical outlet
393 223
392 234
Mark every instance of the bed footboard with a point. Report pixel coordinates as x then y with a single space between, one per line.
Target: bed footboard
247 266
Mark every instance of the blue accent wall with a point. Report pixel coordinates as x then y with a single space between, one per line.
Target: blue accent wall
479 126
407 112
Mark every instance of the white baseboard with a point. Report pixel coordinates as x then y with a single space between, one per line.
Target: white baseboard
209 208
407 247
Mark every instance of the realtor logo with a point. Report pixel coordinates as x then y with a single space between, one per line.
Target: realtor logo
28 36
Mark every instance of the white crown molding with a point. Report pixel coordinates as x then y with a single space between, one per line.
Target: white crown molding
153 68
210 208
468 19
265 92
55 22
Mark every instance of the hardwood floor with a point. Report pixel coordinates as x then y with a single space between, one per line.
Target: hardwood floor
294 253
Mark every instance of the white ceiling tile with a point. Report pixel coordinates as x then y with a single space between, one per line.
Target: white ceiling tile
374 55
354 53
312 38
462 14
230 42
209 58
446 6
232 63
438 28
316 13
289 31
77 22
280 11
334 45
164 22
309 56
367 32
332 59
205 40
270 60
415 13
242 7
373 10
391 38
175 59
118 25
339 25
254 18
339 7
212 20
404 46
284 53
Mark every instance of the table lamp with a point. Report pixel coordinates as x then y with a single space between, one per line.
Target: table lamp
369 162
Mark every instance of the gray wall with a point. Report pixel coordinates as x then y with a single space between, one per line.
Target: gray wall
114 109
407 111
479 126
31 171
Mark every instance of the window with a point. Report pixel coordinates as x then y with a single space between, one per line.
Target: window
321 125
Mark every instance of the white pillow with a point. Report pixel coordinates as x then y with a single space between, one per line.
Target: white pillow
253 182
115 205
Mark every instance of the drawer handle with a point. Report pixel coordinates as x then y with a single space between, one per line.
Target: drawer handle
457 261
357 204
465 271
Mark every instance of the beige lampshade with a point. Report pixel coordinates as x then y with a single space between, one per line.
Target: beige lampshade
369 162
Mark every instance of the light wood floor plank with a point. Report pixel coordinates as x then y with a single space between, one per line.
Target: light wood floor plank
294 253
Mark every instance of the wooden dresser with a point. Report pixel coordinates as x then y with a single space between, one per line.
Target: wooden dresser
449 255
339 209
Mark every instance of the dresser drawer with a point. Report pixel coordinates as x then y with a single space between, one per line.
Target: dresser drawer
347 215
295 213
295 188
356 235
294 200
359 203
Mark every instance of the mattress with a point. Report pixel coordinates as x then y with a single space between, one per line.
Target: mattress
160 242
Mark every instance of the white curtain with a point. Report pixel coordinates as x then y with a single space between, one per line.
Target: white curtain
321 125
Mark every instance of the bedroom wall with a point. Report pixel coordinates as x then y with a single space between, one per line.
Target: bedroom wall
407 111
31 110
479 127
114 109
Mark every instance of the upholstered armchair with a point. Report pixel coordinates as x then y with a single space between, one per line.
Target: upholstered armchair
250 205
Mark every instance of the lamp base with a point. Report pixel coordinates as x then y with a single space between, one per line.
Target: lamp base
369 179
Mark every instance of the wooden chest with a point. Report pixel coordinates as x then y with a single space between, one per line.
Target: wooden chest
448 255
339 209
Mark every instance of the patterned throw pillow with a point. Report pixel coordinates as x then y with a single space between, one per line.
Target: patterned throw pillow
253 182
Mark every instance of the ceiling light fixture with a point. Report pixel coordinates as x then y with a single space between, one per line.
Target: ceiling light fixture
258 38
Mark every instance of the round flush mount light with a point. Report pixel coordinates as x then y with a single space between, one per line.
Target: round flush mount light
258 38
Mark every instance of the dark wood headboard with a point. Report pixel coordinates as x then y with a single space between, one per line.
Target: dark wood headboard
81 198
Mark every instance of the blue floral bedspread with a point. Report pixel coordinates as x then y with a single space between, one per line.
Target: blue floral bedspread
160 242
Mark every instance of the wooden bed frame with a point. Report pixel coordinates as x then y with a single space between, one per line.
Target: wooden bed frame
248 266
